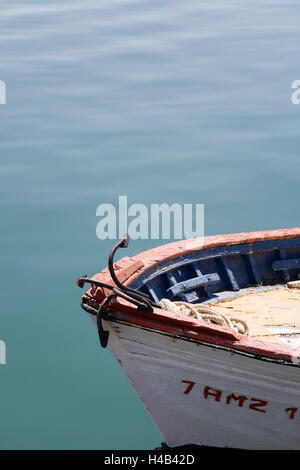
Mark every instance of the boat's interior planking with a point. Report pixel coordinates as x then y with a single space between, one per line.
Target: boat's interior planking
228 276
222 272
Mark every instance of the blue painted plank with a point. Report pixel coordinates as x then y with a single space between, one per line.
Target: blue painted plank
285 272
205 289
286 264
230 275
264 265
195 283
171 277
153 294
173 282
254 268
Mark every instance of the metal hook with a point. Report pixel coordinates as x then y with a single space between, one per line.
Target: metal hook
141 300
103 334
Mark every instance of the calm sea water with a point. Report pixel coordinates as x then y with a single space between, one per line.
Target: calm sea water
170 101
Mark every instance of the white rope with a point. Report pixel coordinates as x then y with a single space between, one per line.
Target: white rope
294 284
206 313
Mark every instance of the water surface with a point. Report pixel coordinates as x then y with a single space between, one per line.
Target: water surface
170 101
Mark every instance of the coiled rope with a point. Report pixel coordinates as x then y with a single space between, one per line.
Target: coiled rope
206 313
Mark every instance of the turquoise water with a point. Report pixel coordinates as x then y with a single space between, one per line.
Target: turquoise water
170 101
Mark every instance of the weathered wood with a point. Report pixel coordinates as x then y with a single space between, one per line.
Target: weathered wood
285 273
230 274
196 282
286 264
255 270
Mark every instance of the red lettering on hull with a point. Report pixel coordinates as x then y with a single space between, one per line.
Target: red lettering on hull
211 392
241 399
255 404
292 412
189 387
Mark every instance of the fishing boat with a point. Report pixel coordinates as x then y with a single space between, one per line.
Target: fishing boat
209 336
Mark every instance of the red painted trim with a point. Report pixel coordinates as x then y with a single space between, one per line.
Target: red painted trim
173 324
129 269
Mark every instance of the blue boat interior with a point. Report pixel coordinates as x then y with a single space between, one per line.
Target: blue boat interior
223 272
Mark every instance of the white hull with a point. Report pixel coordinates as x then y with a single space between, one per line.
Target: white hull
206 395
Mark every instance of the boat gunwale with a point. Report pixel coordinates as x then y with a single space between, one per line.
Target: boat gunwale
198 330
202 342
151 258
